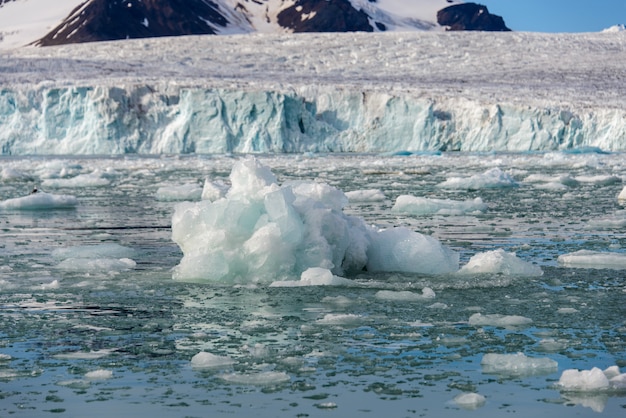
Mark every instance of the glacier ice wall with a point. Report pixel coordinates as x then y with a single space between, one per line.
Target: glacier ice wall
153 119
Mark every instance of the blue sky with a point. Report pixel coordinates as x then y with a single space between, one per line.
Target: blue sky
558 15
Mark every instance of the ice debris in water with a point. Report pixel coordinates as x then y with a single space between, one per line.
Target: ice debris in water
190 192
314 276
499 261
415 205
517 364
405 295
263 232
593 380
204 360
100 374
593 259
365 196
491 179
497 320
40 201
95 179
109 258
622 196
469 400
257 379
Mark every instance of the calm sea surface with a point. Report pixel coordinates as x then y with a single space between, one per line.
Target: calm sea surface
107 337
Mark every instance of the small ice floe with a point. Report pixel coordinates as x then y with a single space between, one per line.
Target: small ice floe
600 180
497 320
594 380
107 258
40 201
100 374
405 296
500 262
95 179
340 319
616 220
415 205
184 192
494 178
469 400
256 379
204 360
366 196
543 181
214 190
593 259
314 276
9 174
621 197
517 364
84 355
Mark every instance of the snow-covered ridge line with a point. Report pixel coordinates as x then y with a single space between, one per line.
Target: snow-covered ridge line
317 92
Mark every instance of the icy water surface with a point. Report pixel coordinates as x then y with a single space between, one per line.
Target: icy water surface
115 334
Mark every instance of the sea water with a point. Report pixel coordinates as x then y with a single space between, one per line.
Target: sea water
93 323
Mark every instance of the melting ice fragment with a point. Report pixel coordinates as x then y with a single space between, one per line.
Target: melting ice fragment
263 232
593 259
469 400
416 205
498 320
177 193
499 261
315 276
517 364
490 179
40 201
204 360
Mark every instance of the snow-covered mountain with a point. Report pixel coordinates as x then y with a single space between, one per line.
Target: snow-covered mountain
43 22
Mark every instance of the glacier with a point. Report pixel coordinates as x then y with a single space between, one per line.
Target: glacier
363 93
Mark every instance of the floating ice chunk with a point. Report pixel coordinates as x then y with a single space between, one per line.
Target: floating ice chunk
12 174
469 400
204 360
369 195
40 201
561 179
98 265
500 262
402 250
497 320
490 179
84 355
600 180
593 259
340 319
256 379
583 380
214 190
189 192
54 284
622 196
415 205
262 232
100 374
315 276
517 364
405 296
109 250
94 179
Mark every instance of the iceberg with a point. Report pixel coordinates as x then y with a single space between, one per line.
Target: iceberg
266 233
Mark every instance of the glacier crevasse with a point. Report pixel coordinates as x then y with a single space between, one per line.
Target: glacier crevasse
155 119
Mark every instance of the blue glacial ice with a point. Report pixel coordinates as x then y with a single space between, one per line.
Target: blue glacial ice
143 119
